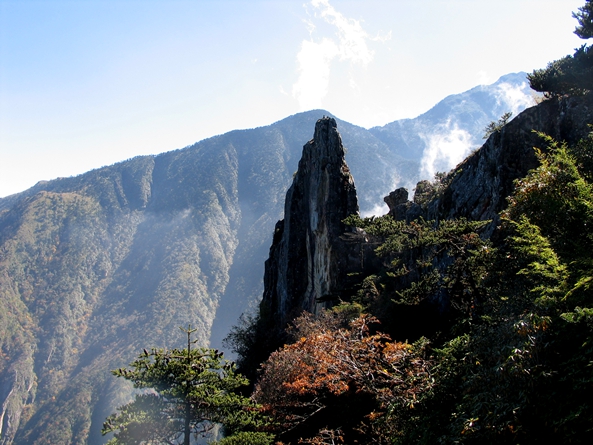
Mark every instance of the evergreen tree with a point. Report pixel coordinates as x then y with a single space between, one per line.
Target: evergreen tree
190 391
570 75
585 19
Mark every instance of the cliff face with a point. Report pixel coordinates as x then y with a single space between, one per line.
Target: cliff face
309 258
481 183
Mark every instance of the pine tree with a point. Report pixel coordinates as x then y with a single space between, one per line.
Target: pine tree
189 392
571 75
585 19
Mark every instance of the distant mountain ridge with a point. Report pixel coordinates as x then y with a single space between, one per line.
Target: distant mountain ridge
456 124
95 267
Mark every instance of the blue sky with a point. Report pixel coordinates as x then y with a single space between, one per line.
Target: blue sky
86 83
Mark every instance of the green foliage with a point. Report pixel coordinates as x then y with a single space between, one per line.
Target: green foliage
247 438
427 262
565 193
558 198
496 126
503 347
191 390
571 75
521 373
585 18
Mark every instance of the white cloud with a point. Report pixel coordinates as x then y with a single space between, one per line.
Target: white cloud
445 148
315 56
314 66
483 78
377 210
515 98
352 38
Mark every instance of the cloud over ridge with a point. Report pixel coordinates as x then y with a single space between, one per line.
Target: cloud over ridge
446 146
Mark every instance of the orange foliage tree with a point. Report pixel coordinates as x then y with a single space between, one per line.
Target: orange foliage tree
340 380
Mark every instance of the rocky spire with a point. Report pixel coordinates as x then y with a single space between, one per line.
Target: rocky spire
309 258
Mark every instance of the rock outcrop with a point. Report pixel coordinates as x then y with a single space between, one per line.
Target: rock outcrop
311 257
478 188
481 184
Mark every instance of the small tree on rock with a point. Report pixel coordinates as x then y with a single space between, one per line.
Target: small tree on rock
571 75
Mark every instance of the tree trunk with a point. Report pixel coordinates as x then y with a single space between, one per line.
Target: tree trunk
186 431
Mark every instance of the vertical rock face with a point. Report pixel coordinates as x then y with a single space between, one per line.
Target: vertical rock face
310 258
